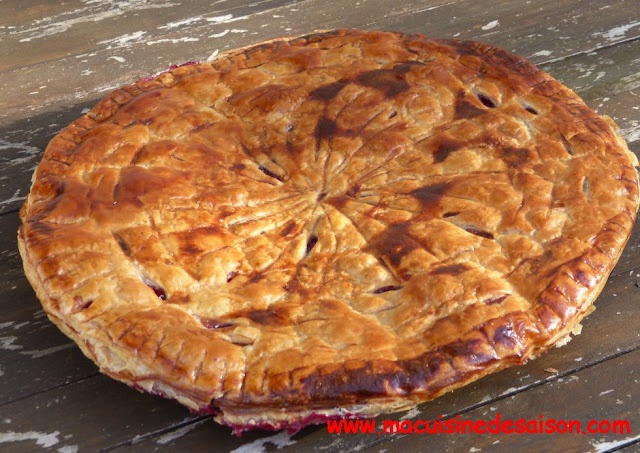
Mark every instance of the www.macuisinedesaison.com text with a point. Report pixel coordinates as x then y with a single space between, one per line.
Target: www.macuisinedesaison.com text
457 425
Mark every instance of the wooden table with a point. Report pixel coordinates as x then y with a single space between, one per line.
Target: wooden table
59 58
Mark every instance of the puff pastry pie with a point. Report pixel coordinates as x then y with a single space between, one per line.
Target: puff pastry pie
341 224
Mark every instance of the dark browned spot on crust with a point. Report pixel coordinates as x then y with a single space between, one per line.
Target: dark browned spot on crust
238 167
471 351
289 227
354 190
41 228
483 234
268 317
392 245
338 202
386 289
506 337
465 109
326 129
269 173
429 196
444 147
390 81
465 48
348 384
496 300
327 92
515 156
584 279
190 249
396 244
256 278
454 269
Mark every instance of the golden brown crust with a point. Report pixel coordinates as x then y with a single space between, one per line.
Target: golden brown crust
346 222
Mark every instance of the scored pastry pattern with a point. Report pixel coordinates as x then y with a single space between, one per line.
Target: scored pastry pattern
340 216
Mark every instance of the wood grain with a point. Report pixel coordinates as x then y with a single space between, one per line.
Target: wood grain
21 143
598 393
547 31
91 414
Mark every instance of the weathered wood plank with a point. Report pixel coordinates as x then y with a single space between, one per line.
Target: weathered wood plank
600 74
138 48
546 31
600 392
22 142
89 415
611 330
624 108
35 356
46 32
10 262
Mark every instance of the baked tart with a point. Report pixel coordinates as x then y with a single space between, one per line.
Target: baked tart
335 225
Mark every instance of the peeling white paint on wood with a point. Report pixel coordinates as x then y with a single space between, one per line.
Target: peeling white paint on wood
173 435
617 32
172 40
44 440
542 53
632 132
124 40
24 151
60 23
43 352
6 343
601 447
490 25
411 413
280 440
